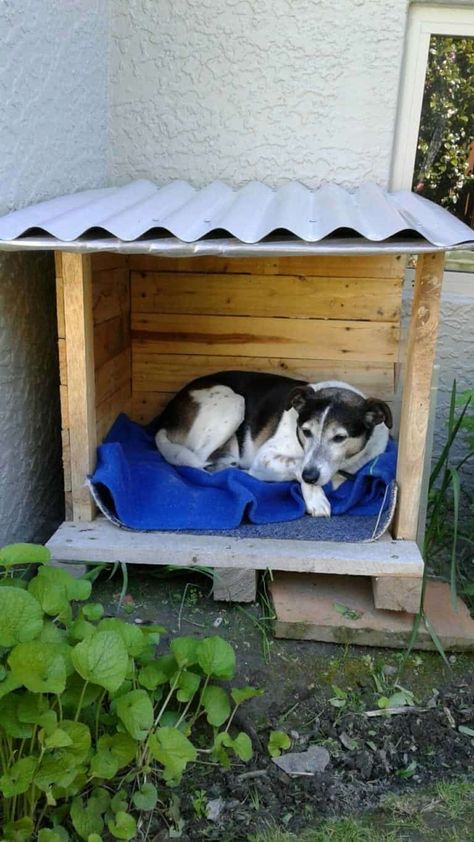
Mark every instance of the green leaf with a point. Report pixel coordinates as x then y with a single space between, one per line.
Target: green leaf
104 765
132 636
216 657
187 686
51 834
93 611
278 741
81 740
18 777
122 746
18 831
31 708
243 694
55 589
15 554
56 767
242 746
184 650
102 659
21 617
464 729
346 611
135 710
216 704
8 684
73 692
122 826
94 837
118 802
81 629
86 818
146 797
58 739
10 722
151 676
173 750
38 666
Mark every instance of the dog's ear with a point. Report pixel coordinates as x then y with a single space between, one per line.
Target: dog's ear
377 412
298 397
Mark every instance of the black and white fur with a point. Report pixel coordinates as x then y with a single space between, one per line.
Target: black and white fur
276 428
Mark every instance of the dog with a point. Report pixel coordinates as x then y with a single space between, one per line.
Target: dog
276 428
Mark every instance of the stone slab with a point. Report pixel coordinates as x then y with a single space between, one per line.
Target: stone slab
311 607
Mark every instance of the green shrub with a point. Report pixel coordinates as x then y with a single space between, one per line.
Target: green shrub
87 708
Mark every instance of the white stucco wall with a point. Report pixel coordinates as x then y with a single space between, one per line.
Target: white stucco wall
53 133
243 89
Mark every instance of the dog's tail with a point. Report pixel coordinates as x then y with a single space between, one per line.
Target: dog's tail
177 454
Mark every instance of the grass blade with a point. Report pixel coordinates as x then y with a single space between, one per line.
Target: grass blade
456 482
436 640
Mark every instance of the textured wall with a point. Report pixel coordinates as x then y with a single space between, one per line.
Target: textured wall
242 89
53 121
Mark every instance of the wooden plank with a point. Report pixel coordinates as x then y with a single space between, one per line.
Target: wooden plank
235 585
421 350
64 402
376 266
112 376
397 593
305 609
169 372
289 296
111 294
101 541
60 306
147 405
62 355
266 337
111 338
80 377
107 411
108 260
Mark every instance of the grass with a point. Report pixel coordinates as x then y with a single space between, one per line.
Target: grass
444 813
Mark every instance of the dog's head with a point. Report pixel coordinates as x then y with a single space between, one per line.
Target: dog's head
334 426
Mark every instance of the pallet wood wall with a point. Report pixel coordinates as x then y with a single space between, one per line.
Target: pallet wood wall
314 318
112 349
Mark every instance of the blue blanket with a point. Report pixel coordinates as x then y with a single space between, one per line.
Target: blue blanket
135 483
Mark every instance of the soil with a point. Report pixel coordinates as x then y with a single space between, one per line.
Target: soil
370 756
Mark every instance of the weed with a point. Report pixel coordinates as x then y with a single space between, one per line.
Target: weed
199 803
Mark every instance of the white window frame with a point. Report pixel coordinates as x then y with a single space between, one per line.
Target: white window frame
424 20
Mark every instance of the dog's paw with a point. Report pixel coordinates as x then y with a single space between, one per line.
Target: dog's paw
317 504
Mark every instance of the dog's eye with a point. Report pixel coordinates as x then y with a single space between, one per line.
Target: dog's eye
307 433
339 439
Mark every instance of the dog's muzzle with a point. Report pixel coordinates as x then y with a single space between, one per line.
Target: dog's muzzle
311 475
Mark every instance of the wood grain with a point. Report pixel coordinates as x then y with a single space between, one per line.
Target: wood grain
262 295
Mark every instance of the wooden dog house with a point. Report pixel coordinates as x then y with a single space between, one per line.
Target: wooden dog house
138 316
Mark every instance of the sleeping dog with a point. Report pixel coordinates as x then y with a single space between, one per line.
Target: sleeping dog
276 428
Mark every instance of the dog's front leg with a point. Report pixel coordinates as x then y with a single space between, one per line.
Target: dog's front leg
317 504
272 466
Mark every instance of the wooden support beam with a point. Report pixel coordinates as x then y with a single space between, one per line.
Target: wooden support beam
77 290
238 585
421 350
397 593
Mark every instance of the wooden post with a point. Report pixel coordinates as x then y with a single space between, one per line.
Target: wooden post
421 350
77 290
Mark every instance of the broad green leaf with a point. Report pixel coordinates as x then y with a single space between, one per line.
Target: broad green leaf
242 746
15 554
122 826
18 831
21 617
243 694
86 818
99 799
55 589
146 797
94 837
135 710
122 746
188 684
9 683
56 767
167 664
216 704
9 720
81 629
104 765
132 636
38 666
216 657
184 650
173 750
118 802
93 611
18 777
81 740
31 707
50 633
278 742
151 676
58 739
102 659
51 834
73 692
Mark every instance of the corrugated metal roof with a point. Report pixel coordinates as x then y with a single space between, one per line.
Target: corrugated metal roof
249 214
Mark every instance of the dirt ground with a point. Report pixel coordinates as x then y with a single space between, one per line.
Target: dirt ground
318 694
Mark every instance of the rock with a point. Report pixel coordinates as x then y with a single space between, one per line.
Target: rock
214 809
314 759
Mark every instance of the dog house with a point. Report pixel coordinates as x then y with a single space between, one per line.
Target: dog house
158 286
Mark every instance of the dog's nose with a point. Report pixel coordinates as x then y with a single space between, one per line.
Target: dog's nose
311 475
